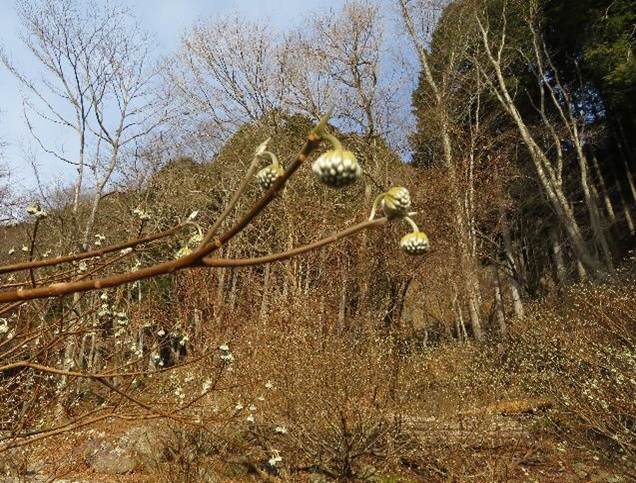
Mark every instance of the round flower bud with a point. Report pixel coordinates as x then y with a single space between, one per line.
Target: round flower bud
396 202
337 168
267 176
415 243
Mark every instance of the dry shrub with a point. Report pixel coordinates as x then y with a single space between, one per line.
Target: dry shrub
328 402
184 455
580 350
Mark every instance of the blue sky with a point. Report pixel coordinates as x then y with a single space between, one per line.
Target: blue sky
166 20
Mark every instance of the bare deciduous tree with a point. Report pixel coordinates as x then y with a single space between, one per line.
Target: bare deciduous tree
96 83
228 71
346 49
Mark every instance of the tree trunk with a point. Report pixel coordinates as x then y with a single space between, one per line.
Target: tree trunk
265 296
557 253
513 270
603 189
465 257
499 302
549 176
595 216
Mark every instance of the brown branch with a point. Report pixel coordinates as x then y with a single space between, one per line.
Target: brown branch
237 195
313 140
244 262
142 404
101 378
94 253
86 375
32 250
18 441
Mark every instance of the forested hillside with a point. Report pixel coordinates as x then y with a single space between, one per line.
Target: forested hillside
394 242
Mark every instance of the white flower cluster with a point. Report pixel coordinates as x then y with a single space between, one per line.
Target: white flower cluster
156 358
119 333
195 239
207 385
99 239
182 252
179 393
104 309
275 458
141 214
226 355
251 408
136 349
121 318
415 243
36 210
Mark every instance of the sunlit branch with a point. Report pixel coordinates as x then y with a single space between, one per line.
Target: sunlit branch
275 257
